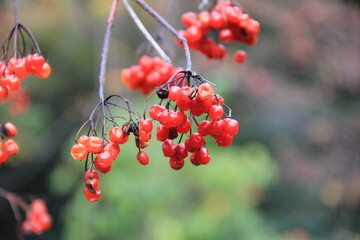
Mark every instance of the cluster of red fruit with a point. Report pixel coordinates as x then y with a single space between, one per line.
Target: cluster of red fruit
108 152
17 69
199 100
231 24
9 147
148 74
38 219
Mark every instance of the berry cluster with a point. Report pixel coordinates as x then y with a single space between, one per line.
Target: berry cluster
102 151
17 69
38 219
9 147
148 74
193 94
230 23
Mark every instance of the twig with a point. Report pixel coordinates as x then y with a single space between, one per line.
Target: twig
16 16
165 24
105 50
148 36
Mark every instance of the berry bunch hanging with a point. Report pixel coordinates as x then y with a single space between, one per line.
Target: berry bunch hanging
230 24
102 150
8 147
18 60
148 74
38 219
183 100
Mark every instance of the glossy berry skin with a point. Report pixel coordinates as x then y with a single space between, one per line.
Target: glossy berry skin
181 151
185 128
217 127
143 158
11 147
84 140
146 125
196 140
204 128
78 152
100 168
162 133
11 130
174 93
194 159
168 148
91 196
156 111
203 156
216 112
231 126
104 159
45 71
95 144
176 163
224 140
116 135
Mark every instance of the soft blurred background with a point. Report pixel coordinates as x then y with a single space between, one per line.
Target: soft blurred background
293 172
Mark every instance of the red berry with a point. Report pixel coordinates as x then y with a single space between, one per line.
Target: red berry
91 196
216 112
4 93
3 156
224 140
168 148
185 128
188 19
204 128
91 174
181 151
45 71
104 159
95 144
78 152
143 158
194 159
176 164
116 135
11 130
197 140
217 127
12 82
240 56
146 125
174 93
217 100
162 133
203 156
11 147
156 111
231 126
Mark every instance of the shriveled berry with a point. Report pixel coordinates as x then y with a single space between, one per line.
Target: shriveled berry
205 91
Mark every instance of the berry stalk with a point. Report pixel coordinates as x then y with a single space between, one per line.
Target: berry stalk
166 25
105 50
146 33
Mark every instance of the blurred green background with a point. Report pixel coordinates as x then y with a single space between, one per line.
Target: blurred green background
293 172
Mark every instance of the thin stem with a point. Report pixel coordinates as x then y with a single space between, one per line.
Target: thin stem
16 16
146 33
105 50
165 24
203 4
